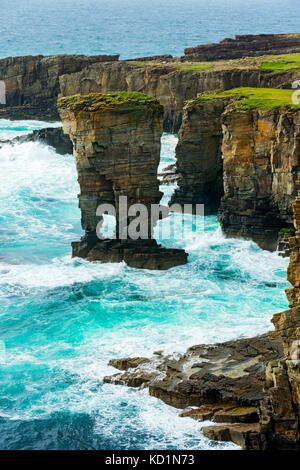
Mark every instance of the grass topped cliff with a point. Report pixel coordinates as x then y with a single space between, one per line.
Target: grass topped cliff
282 63
254 98
272 63
123 101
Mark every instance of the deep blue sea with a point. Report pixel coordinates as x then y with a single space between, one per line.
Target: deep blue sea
62 319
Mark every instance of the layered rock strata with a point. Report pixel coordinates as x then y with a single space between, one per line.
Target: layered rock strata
238 151
116 139
261 160
252 385
32 83
172 84
199 167
280 409
229 373
250 45
222 383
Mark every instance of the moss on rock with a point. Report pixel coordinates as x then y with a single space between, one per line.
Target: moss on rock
123 101
254 98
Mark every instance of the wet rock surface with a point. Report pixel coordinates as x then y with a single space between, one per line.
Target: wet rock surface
230 373
280 409
53 136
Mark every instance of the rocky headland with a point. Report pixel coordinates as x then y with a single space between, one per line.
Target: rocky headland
249 388
172 83
32 83
249 45
238 152
116 139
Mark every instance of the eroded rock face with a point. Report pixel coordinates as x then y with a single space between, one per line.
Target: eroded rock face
243 162
32 83
261 160
116 141
52 136
170 85
244 46
227 375
280 410
199 166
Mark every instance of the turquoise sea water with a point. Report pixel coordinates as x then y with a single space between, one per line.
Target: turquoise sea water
61 320
135 27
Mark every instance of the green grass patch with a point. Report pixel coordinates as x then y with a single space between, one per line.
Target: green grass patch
193 67
286 231
282 63
255 98
190 66
122 101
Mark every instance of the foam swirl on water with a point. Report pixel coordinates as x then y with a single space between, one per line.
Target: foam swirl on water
62 320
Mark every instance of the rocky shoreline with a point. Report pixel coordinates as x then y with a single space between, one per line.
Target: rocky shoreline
252 385
238 153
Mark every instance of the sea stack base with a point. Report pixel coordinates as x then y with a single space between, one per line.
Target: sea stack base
142 254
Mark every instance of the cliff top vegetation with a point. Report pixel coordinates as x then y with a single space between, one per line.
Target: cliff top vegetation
123 101
254 98
271 63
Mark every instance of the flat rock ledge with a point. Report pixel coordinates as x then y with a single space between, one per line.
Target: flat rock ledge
222 383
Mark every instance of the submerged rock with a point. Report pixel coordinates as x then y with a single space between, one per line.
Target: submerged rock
116 140
53 136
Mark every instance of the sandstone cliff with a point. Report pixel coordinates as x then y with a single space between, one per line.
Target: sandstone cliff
116 140
199 166
261 160
250 388
172 84
32 83
280 409
245 45
244 142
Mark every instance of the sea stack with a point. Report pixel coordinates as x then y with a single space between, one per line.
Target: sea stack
261 160
198 155
116 140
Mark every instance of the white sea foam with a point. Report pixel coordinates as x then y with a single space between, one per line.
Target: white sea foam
61 272
140 311
11 129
